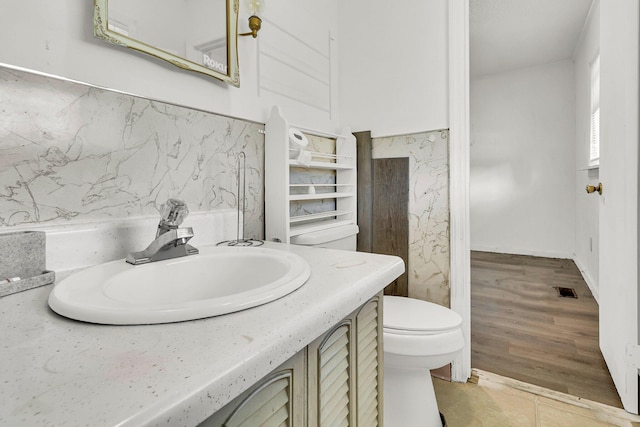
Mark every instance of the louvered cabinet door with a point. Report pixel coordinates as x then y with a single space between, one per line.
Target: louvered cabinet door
369 366
278 400
331 383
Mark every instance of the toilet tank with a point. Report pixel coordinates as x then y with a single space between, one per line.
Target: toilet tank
342 237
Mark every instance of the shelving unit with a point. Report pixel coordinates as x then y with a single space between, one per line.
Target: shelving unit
282 221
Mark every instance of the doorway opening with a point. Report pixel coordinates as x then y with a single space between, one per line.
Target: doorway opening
533 231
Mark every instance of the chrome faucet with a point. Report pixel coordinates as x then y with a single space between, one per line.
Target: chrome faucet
171 241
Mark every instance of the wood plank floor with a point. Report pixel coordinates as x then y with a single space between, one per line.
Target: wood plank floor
522 329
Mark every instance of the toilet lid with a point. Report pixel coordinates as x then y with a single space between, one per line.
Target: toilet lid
410 314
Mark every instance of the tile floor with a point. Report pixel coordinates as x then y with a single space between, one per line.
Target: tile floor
495 401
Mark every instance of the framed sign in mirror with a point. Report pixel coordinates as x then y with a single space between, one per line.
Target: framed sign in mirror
196 35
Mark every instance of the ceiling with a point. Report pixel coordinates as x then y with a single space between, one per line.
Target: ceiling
511 34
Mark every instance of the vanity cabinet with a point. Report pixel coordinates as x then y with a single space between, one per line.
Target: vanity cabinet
334 381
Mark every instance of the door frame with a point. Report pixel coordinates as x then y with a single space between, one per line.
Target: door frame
459 167
459 138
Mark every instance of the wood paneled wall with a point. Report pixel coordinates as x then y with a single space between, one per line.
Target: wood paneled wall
391 215
365 191
383 207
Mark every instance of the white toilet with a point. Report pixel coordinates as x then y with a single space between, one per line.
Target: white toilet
418 336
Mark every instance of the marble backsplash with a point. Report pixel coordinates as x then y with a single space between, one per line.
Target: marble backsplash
73 153
429 258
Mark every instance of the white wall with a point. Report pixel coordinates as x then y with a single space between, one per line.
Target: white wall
56 37
387 69
522 196
587 205
393 66
298 62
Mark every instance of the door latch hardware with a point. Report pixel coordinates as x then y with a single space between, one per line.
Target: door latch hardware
593 189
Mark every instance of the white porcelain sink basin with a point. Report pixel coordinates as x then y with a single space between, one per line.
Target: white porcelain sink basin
219 280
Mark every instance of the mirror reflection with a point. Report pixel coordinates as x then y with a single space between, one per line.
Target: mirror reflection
200 35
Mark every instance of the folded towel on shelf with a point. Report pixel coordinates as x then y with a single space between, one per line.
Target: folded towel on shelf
304 158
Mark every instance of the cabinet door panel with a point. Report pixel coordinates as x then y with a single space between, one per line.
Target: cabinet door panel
368 352
330 383
270 405
334 388
277 400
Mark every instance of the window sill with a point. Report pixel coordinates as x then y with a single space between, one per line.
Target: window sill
592 167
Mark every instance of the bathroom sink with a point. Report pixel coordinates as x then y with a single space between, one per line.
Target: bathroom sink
217 281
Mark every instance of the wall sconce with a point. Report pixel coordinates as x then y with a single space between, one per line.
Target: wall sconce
255 6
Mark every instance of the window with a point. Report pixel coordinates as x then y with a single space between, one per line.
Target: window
594 146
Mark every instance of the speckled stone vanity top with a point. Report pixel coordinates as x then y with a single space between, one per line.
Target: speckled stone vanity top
59 372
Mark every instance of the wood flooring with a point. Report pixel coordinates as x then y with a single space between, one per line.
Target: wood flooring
522 329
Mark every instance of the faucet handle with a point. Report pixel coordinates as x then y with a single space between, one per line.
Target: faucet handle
173 212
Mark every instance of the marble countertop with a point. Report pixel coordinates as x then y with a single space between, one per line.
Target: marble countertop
61 372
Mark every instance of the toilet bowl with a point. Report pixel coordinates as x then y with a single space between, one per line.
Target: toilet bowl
418 336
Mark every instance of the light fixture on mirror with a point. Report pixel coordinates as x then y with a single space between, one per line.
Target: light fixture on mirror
255 6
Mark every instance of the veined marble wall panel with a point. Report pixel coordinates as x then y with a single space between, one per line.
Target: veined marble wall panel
76 153
429 258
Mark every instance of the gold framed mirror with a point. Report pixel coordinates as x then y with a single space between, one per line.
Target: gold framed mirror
195 35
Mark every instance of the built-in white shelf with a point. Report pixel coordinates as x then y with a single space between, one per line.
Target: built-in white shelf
330 204
318 216
297 230
319 185
319 196
321 165
315 154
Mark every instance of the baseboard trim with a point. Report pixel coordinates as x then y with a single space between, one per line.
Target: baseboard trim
543 254
588 279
